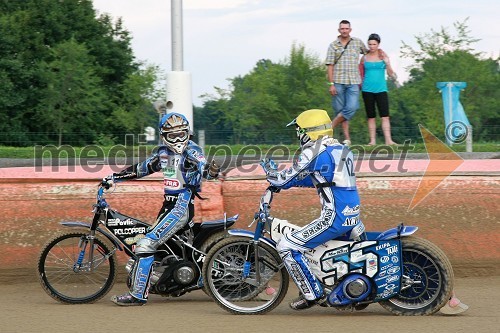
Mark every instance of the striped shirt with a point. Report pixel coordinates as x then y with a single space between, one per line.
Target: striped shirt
346 70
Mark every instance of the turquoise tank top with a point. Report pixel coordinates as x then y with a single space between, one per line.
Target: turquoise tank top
374 81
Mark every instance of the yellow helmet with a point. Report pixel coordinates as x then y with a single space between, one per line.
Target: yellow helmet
313 124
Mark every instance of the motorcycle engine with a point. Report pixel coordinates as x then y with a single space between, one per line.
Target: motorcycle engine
185 273
354 288
176 276
169 276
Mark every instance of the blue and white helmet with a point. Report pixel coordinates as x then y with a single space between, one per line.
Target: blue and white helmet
174 130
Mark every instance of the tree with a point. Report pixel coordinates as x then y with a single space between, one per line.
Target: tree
437 43
260 104
134 111
72 101
30 31
212 117
445 57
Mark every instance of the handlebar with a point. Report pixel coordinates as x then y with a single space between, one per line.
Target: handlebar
105 182
261 217
267 197
100 201
265 203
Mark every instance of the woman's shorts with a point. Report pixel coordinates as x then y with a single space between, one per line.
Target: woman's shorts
381 100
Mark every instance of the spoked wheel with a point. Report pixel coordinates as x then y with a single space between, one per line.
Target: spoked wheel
66 273
207 245
236 285
427 280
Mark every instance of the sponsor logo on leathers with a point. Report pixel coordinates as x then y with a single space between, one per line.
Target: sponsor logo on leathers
317 227
169 182
298 276
351 211
350 221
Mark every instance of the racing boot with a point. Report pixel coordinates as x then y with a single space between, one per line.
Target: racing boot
301 303
127 300
138 294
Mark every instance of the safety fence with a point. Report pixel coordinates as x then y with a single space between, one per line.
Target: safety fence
489 133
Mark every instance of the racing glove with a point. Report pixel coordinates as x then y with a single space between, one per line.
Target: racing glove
211 171
270 168
108 181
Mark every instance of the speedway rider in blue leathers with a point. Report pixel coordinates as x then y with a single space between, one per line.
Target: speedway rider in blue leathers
183 166
328 166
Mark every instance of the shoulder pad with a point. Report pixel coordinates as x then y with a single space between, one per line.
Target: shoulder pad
194 151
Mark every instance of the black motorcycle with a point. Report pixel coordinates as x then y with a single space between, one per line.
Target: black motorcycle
78 267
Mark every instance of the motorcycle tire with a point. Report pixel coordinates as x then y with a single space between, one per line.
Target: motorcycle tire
209 243
427 281
66 281
212 240
223 276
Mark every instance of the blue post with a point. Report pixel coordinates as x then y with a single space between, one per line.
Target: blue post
458 128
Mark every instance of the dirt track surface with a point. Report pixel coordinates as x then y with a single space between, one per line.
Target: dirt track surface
25 308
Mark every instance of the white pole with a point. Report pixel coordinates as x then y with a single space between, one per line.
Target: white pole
177 41
201 139
178 81
468 140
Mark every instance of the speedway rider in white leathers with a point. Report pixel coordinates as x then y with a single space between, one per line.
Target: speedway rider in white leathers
183 165
328 166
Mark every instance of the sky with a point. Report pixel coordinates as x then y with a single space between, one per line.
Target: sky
223 39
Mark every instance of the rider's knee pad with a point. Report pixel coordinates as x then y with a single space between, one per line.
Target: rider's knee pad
146 246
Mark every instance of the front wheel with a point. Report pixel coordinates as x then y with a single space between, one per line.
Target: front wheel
427 280
67 274
238 282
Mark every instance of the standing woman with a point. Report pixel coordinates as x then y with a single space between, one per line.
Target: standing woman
374 88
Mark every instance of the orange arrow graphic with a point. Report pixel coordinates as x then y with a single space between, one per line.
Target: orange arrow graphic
442 162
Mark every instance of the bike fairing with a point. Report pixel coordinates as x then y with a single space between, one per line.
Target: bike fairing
328 166
378 257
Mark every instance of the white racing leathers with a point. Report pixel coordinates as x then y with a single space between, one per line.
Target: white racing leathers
329 167
182 176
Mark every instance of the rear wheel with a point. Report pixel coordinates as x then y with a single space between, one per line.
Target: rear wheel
67 274
427 280
209 243
232 281
212 240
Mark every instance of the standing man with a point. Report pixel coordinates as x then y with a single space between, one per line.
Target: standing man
342 61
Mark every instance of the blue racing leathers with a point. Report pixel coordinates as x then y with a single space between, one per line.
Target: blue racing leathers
182 176
329 167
